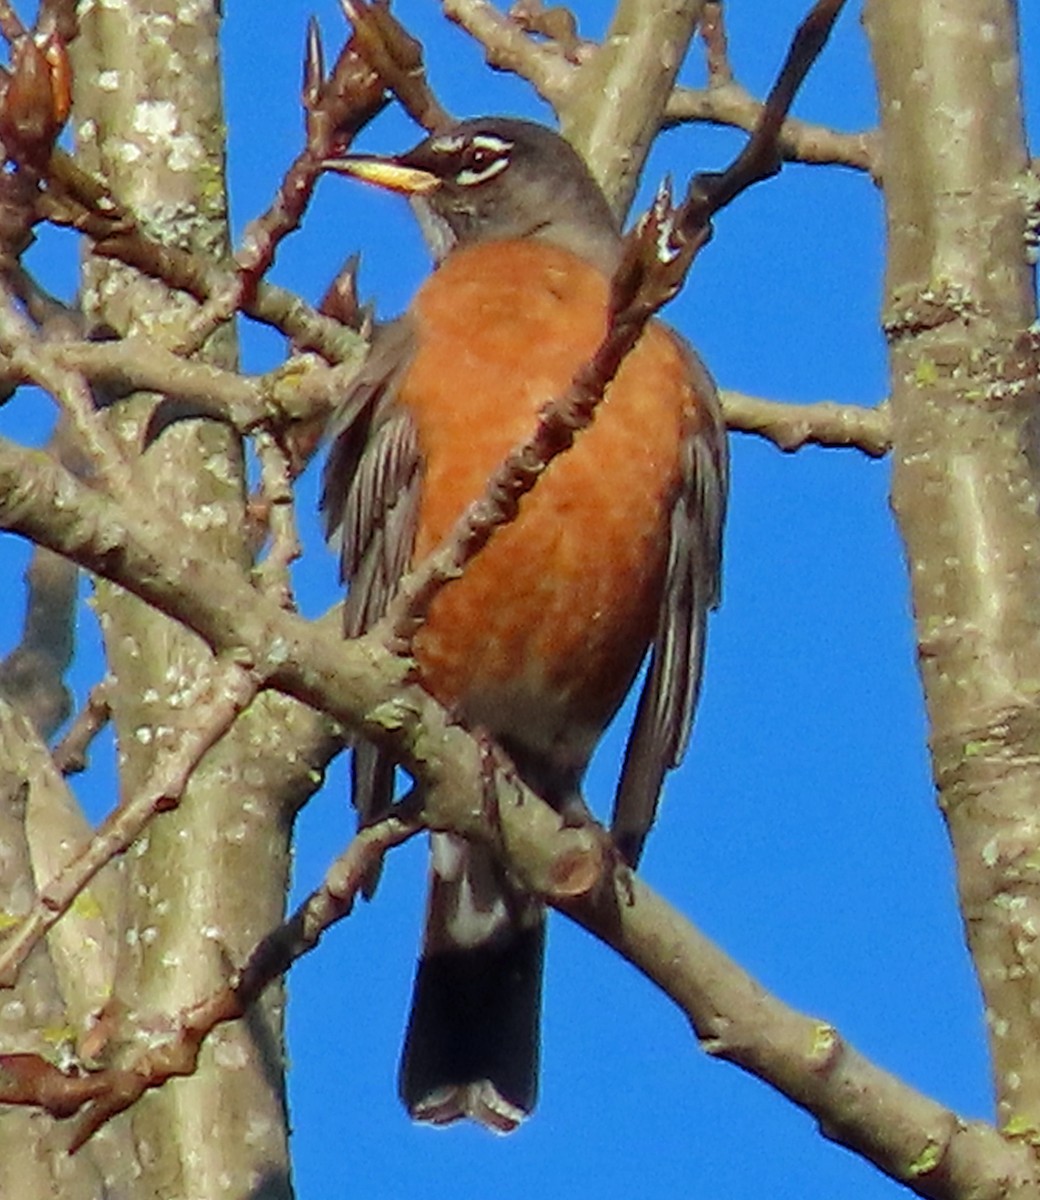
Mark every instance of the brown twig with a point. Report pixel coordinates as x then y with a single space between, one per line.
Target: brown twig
713 34
761 158
556 24
825 423
49 314
273 574
911 1137
231 687
60 15
76 199
800 141
70 754
396 57
269 960
725 102
29 359
301 390
336 108
545 65
10 23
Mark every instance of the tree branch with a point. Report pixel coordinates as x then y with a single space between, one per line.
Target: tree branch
959 308
361 685
732 105
77 199
231 688
558 76
825 423
508 48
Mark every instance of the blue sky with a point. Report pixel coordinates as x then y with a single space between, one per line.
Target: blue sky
801 832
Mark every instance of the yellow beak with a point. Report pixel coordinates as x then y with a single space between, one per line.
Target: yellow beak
385 173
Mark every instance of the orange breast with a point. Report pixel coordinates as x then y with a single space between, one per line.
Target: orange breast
542 635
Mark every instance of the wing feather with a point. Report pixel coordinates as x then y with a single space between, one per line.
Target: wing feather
370 504
664 715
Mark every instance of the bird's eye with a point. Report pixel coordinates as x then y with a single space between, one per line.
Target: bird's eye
483 158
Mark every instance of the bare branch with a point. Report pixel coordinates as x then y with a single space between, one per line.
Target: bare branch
335 109
20 345
70 754
300 391
178 1054
730 104
556 24
914 1139
825 423
639 60
716 45
230 687
79 200
276 489
10 23
508 48
396 57
32 675
557 72
932 1150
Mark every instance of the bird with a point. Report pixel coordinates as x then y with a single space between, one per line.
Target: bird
613 559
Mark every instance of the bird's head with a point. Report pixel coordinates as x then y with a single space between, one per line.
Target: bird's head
496 178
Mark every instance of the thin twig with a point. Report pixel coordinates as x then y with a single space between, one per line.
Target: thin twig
800 141
70 754
825 423
231 688
546 67
20 345
269 960
335 110
507 47
396 57
79 200
273 574
10 23
713 34
556 24
927 1146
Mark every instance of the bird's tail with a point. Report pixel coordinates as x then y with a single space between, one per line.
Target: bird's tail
472 1046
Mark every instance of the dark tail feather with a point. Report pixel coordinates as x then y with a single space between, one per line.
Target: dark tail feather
472 1046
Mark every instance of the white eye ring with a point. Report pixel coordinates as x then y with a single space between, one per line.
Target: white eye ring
494 151
472 175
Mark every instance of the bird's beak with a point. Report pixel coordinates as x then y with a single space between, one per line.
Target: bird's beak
385 173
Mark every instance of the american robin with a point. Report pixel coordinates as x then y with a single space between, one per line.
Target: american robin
615 552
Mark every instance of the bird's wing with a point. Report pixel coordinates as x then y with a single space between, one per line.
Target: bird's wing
370 504
673 679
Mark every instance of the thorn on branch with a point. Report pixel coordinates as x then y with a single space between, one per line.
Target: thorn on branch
337 107
313 66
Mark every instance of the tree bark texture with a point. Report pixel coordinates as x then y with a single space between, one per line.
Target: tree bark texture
207 881
959 313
